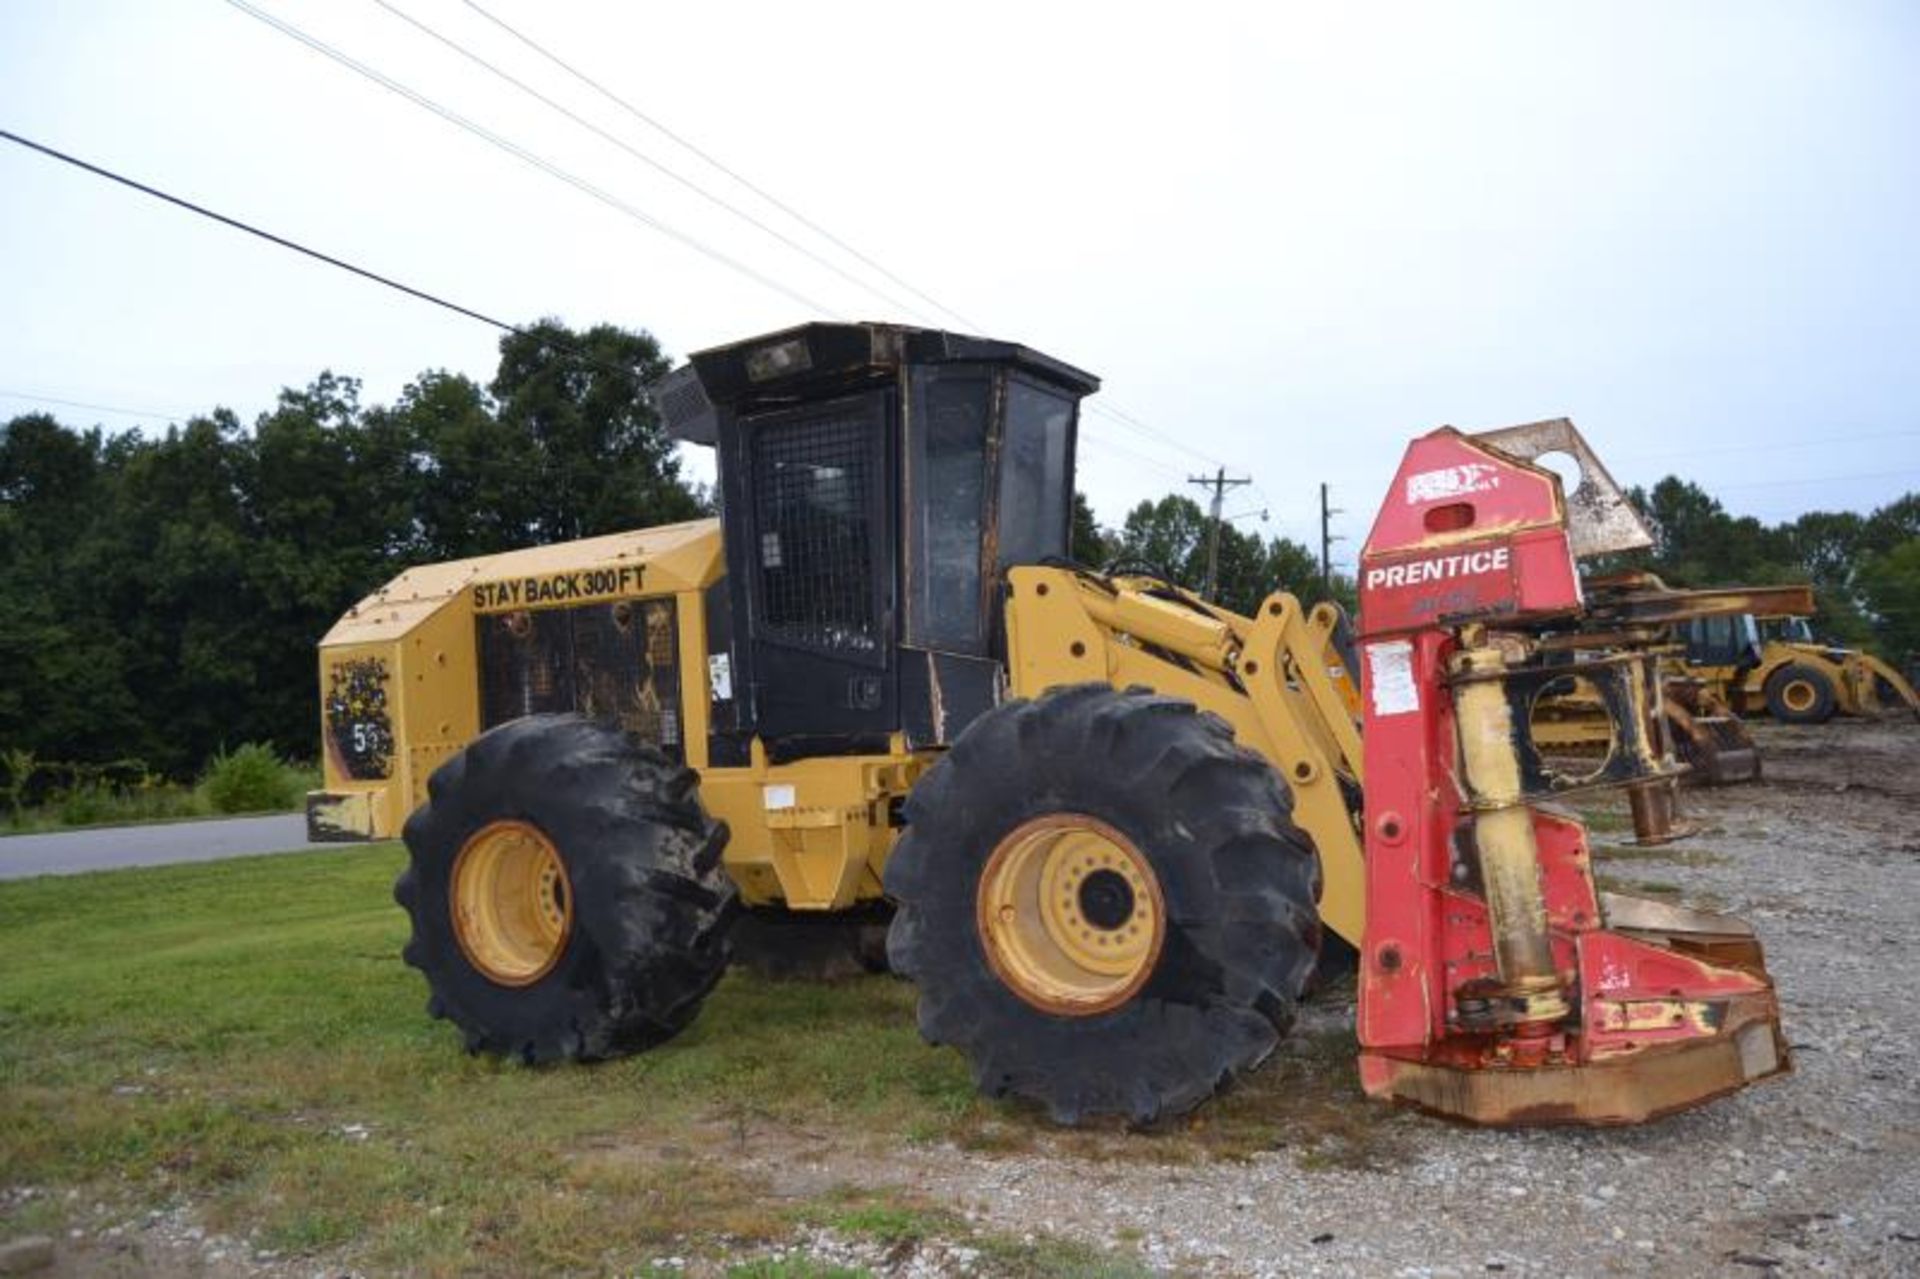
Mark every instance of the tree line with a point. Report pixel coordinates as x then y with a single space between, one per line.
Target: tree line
1864 568
164 591
1171 538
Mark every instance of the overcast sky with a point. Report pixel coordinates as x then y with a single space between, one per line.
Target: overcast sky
1288 237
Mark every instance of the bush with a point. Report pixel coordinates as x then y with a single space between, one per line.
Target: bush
88 804
252 779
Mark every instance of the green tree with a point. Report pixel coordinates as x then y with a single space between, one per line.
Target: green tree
595 458
1896 522
65 693
1088 542
476 486
1165 538
1169 537
1890 582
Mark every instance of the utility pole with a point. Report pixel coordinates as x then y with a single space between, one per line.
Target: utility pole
1327 539
1219 483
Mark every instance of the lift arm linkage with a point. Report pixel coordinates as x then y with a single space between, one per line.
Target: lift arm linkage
1276 678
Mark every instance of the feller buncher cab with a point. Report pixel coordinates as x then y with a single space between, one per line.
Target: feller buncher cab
1110 820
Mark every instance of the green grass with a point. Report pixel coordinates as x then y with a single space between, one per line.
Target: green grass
241 1037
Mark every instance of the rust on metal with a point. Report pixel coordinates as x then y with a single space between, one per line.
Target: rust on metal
1643 599
1599 517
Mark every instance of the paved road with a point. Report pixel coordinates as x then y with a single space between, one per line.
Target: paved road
71 852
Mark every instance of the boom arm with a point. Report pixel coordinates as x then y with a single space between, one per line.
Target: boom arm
1272 677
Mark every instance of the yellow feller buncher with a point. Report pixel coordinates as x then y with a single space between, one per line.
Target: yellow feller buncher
1105 821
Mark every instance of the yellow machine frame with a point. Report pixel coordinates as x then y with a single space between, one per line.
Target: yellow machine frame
814 834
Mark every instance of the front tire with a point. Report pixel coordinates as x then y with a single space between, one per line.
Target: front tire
566 892
1105 904
1800 694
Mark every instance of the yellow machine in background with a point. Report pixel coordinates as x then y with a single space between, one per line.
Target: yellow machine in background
1783 671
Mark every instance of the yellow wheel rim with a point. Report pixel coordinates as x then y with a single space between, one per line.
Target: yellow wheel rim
512 906
1799 695
1070 915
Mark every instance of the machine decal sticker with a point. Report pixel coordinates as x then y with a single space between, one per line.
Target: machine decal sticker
359 734
1390 678
1441 568
558 588
1452 481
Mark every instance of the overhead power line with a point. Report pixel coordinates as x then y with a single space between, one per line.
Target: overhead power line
714 161
1114 446
1115 413
151 414
1105 408
526 156
644 158
364 273
315 254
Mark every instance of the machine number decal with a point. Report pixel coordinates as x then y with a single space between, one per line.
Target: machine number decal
1390 678
359 734
720 676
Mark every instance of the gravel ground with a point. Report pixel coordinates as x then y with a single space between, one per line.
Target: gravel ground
1815 1173
1818 1172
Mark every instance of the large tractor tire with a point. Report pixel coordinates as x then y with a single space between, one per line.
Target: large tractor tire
1801 694
1105 904
566 892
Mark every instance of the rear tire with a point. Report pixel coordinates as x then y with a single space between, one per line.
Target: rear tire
1800 694
566 892
1197 960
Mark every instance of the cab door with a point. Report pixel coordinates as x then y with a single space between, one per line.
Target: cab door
817 590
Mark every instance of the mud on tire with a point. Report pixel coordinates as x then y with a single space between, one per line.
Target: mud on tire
1236 879
649 903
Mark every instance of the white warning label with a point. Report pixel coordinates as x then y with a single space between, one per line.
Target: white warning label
1390 678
